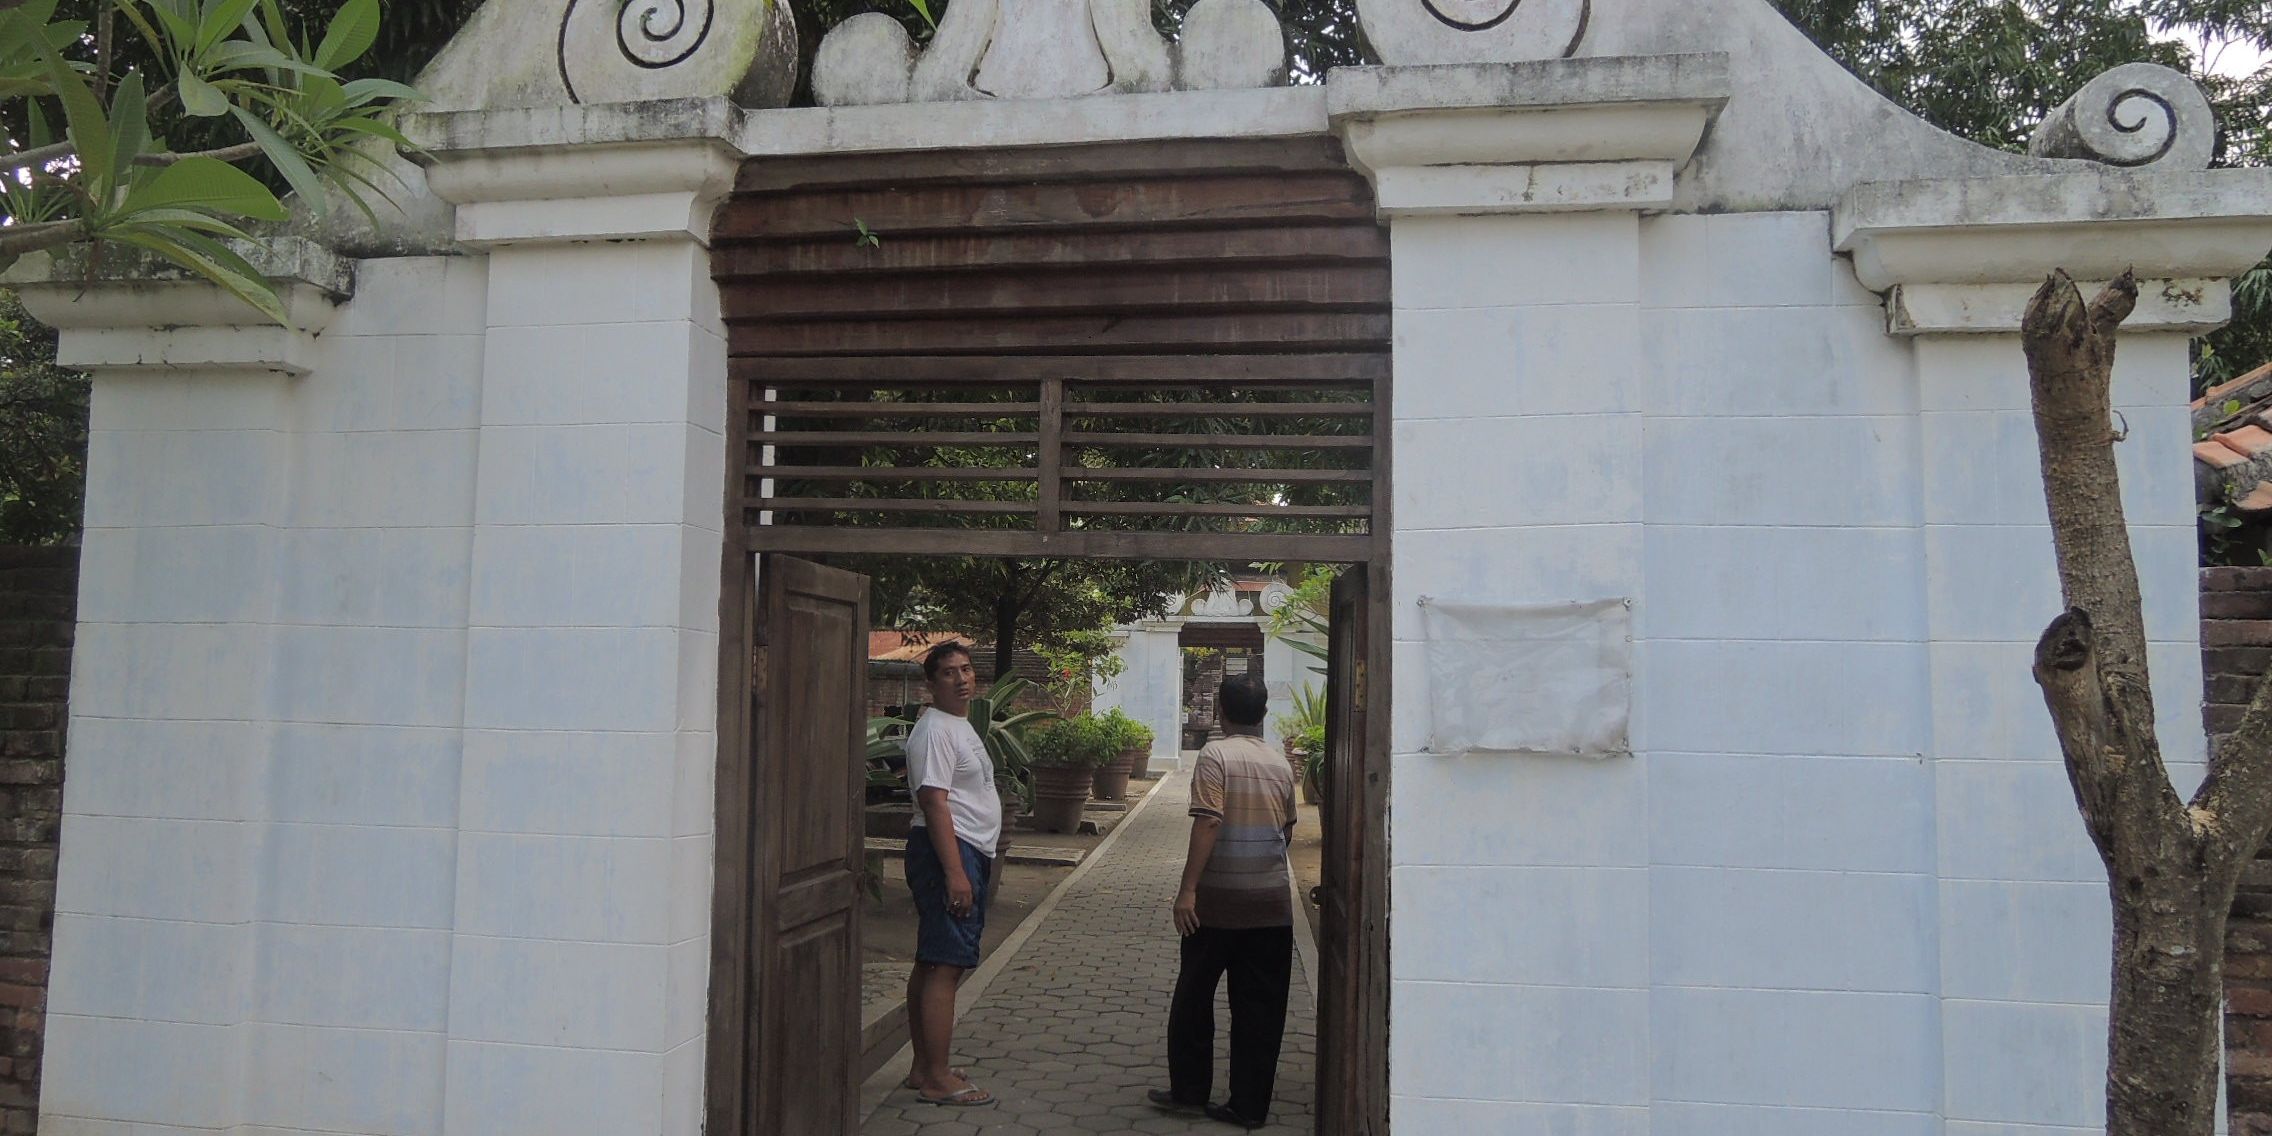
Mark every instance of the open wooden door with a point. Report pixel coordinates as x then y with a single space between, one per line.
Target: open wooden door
1352 983
785 973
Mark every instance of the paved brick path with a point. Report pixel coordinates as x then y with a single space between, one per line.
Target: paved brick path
1074 1029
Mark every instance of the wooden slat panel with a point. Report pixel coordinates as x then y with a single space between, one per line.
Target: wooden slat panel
1113 289
1347 242
1223 441
1108 545
1218 509
1011 335
1226 476
1106 161
894 437
1217 409
898 409
891 505
1217 370
952 208
888 473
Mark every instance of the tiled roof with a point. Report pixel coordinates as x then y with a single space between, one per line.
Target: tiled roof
2234 453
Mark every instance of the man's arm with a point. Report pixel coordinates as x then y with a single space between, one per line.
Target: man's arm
941 826
1203 832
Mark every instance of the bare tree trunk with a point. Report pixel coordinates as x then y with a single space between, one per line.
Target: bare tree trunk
2171 865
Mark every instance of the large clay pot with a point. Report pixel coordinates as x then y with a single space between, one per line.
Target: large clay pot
1110 782
1139 762
1058 794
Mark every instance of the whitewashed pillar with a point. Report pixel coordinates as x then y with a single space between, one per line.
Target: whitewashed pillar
2022 896
153 1010
579 971
1514 195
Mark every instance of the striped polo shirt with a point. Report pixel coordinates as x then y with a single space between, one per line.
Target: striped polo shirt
1248 786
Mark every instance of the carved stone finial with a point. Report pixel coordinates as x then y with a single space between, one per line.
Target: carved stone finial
540 53
1474 31
1048 49
2138 114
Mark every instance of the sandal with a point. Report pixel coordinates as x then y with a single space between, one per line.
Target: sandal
957 1074
971 1097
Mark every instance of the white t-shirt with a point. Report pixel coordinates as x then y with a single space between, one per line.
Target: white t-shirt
943 752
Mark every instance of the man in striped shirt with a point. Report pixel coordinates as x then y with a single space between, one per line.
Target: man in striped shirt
1235 912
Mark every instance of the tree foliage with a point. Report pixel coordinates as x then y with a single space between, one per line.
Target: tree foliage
88 159
1989 70
43 433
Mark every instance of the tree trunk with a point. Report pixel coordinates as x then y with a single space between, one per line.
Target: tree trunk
2171 864
1005 634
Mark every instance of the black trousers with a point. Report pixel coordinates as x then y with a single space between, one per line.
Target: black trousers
1261 965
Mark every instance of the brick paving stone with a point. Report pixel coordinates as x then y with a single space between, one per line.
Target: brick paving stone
1074 1029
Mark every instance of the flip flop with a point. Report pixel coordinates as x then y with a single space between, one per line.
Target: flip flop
971 1097
957 1074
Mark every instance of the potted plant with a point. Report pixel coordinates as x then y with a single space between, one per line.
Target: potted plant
1109 781
1312 744
1063 757
1302 729
1135 741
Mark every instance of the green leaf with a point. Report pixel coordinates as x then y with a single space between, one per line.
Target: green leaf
129 123
209 184
84 123
181 31
362 92
352 33
220 22
208 258
200 98
286 159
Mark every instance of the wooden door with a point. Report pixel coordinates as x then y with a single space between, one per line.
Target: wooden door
785 985
1352 1043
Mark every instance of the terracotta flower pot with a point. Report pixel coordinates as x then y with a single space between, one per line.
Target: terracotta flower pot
1139 762
1110 782
1058 793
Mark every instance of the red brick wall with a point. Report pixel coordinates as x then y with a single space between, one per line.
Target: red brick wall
38 600
2236 648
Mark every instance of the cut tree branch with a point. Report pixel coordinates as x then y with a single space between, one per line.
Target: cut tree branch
2066 667
16 240
2233 807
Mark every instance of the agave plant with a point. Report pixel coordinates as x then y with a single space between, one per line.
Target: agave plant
1002 727
887 739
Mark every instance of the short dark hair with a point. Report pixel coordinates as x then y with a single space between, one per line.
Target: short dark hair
937 655
1245 699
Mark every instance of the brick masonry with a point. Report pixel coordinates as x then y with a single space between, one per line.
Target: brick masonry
38 601
2236 648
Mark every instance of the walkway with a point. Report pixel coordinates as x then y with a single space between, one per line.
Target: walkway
1073 1030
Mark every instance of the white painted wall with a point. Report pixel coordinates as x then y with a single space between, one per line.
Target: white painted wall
1840 885
392 719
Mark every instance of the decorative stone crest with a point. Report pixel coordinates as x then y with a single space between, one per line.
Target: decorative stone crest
1048 49
518 54
1474 31
2138 114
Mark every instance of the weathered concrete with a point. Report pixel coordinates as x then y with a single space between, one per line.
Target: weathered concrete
2138 114
514 54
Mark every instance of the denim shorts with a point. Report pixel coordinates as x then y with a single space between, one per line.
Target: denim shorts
942 938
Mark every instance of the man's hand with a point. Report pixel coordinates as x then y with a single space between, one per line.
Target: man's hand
958 895
1186 913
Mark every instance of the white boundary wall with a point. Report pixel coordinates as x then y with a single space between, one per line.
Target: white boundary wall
389 803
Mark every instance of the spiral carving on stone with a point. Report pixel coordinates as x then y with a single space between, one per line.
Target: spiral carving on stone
1474 31
649 34
2136 115
656 33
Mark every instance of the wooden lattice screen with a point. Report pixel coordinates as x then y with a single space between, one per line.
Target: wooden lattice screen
1126 350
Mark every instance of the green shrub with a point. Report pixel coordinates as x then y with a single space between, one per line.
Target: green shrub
1079 742
1127 732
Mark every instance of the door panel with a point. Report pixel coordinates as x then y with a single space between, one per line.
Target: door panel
786 1025
1352 931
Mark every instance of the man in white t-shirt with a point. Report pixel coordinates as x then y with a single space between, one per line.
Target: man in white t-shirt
950 868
